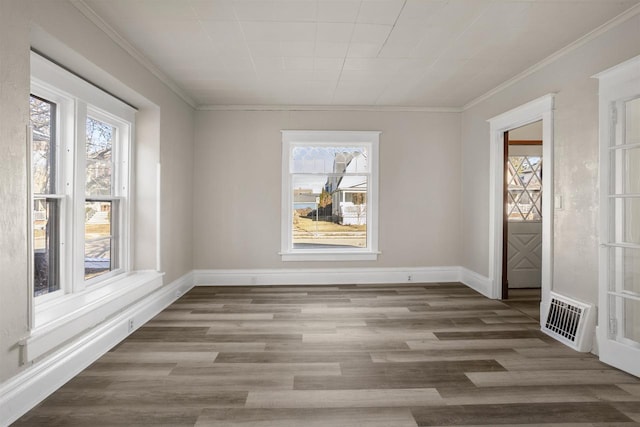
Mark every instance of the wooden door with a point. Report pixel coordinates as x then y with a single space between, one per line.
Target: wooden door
524 216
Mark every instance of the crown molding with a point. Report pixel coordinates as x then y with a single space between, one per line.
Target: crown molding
88 12
372 108
614 22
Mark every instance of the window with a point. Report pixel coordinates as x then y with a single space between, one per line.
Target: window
81 138
329 194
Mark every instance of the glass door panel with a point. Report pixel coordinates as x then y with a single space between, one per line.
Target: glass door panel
524 182
623 240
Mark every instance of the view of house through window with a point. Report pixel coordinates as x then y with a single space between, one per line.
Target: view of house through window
329 185
100 206
46 204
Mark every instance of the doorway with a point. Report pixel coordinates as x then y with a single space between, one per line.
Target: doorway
522 263
538 110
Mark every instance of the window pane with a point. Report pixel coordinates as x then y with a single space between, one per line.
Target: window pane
624 267
628 311
631 316
98 245
100 137
329 211
524 182
627 162
632 113
43 121
314 159
46 234
626 220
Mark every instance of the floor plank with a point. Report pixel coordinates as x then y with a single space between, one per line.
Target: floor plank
514 414
308 417
344 398
350 355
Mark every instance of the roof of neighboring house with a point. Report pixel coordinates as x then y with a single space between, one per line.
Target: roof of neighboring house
353 183
304 196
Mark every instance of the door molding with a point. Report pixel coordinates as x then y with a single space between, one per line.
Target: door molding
538 109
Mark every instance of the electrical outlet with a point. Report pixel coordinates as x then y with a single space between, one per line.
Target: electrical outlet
409 278
130 325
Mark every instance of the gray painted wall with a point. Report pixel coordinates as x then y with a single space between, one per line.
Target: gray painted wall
14 114
575 163
238 178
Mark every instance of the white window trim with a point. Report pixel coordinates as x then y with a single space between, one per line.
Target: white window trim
293 137
81 304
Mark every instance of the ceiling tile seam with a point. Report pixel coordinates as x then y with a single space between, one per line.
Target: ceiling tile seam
344 60
246 42
114 35
463 32
392 28
382 47
591 35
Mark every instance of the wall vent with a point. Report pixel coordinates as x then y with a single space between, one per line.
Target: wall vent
570 322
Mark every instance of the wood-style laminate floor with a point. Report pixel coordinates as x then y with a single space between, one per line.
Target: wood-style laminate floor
526 300
374 355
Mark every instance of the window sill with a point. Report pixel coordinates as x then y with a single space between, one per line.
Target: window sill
329 256
66 317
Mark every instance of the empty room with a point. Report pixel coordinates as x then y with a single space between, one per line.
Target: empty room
320 212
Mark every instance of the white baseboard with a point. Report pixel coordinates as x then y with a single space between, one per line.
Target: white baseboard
326 276
475 281
28 388
343 276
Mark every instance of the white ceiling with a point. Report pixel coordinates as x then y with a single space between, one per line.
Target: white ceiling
404 53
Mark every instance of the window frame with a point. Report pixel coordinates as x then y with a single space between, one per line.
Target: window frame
64 175
52 194
294 138
120 196
75 100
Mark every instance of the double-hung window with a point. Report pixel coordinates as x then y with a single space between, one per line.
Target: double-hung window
329 195
80 149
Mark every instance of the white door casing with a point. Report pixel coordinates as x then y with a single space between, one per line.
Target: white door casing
538 109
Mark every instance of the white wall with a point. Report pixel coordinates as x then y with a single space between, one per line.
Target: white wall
530 132
238 183
575 165
14 112
166 134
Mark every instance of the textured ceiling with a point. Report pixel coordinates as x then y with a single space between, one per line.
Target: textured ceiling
403 53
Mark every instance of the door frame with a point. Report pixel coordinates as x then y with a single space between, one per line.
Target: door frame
615 85
538 109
